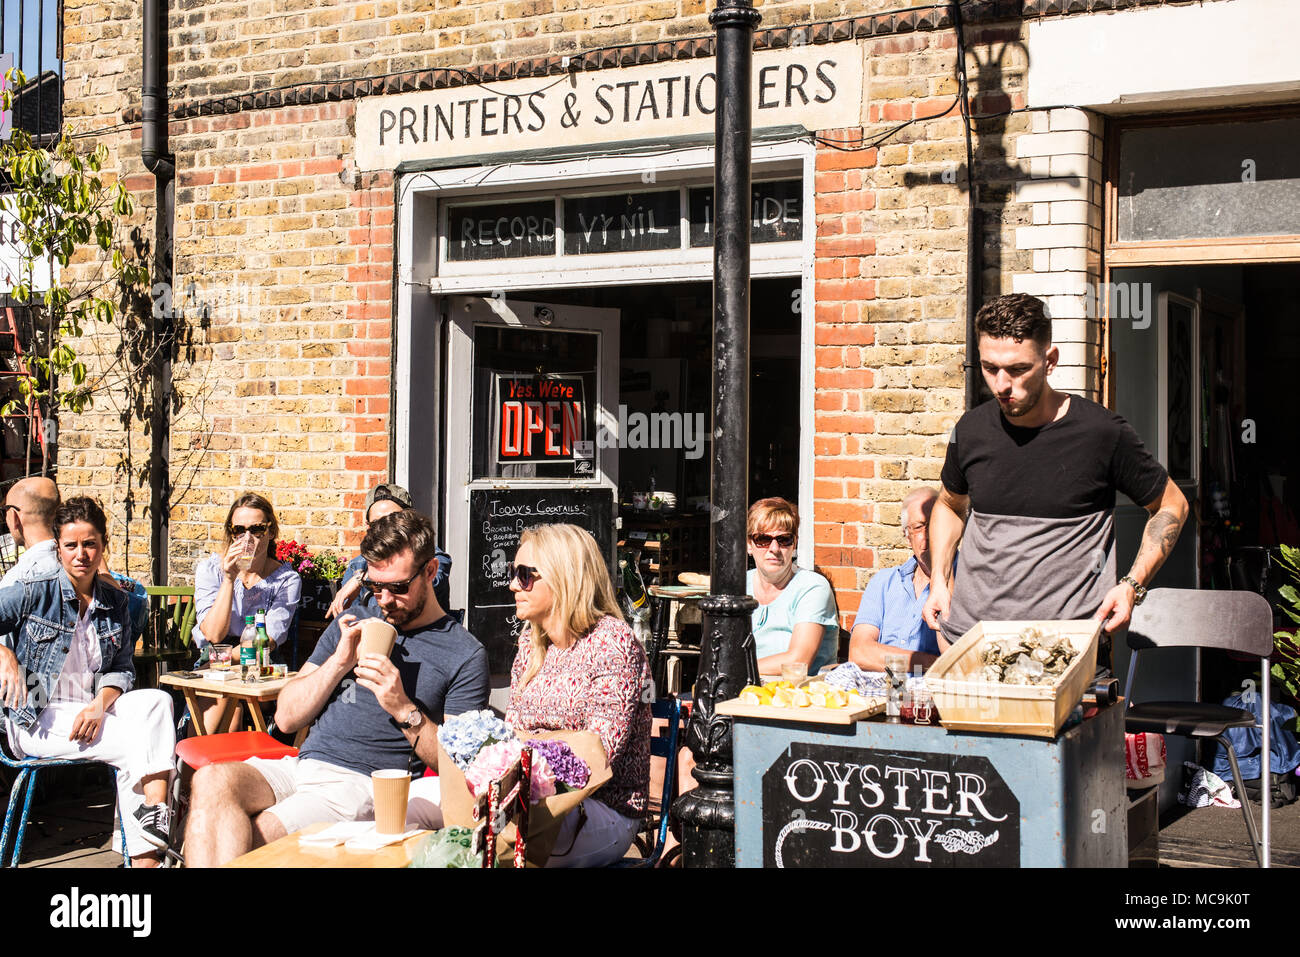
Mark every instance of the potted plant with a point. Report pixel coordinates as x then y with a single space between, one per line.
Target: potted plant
322 573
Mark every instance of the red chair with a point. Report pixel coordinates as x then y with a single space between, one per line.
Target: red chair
231 746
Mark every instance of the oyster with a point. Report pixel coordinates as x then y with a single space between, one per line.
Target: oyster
1032 657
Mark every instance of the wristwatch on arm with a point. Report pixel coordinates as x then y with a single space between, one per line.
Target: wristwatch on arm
1139 593
413 721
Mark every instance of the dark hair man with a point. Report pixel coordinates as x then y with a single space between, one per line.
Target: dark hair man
1029 490
392 709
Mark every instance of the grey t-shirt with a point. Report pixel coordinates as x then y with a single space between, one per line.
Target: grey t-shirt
444 670
1040 541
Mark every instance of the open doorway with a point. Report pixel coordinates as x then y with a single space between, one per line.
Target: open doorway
665 347
1204 362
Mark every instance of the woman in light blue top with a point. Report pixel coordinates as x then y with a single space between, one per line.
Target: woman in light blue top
243 579
796 619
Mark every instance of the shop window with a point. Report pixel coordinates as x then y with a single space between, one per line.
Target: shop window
535 391
1209 181
676 222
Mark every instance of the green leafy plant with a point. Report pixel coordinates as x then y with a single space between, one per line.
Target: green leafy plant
1287 668
60 204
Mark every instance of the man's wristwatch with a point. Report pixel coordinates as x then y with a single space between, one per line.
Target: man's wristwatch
1139 593
413 720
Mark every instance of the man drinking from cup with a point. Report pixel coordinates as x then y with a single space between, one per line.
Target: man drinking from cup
375 694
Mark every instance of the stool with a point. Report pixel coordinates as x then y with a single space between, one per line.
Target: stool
231 746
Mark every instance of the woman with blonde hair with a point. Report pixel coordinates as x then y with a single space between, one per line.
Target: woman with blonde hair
580 668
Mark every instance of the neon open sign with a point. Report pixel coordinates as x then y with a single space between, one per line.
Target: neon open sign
539 418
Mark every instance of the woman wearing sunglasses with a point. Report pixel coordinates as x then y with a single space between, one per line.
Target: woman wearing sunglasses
66 685
796 619
242 579
580 668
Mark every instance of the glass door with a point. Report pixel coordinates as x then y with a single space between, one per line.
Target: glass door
532 407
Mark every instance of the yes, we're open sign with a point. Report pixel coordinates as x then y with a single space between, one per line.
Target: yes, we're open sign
538 418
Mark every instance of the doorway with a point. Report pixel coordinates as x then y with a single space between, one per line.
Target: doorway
592 405
1203 368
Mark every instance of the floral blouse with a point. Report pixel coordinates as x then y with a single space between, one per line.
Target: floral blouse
596 684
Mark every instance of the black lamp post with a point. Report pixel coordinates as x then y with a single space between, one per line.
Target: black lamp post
727 662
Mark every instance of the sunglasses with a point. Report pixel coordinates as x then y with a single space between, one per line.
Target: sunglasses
257 531
393 588
763 541
525 573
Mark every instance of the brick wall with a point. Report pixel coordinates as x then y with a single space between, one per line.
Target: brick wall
288 391
890 288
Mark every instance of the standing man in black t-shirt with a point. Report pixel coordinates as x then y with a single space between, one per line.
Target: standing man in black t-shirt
1029 490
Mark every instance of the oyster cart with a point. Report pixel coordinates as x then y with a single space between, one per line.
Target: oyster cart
874 794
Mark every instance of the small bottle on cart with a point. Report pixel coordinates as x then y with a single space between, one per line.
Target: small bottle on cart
248 666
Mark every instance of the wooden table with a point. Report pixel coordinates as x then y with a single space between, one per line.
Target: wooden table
287 852
230 693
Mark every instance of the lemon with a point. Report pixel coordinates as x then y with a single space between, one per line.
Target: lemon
800 698
781 698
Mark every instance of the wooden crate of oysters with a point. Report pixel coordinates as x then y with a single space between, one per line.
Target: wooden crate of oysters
1015 677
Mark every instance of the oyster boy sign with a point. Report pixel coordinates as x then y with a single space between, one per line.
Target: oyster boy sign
818 87
849 807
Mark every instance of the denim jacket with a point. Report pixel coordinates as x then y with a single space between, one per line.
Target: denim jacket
44 614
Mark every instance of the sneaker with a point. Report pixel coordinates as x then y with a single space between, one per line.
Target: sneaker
156 823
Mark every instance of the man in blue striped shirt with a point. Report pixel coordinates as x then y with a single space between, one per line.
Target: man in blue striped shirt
889 618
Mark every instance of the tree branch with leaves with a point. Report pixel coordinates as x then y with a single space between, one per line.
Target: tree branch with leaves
59 203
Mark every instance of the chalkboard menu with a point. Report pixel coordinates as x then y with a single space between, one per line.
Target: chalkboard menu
828 806
623 223
776 213
501 230
497 518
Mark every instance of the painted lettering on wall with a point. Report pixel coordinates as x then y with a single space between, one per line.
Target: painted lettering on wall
815 87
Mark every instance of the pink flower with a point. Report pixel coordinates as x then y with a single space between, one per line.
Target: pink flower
543 781
491 763
496 760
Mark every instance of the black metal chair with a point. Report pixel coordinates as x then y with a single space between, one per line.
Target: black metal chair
1190 618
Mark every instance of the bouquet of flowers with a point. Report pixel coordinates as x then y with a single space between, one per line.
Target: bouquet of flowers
484 747
477 748
326 566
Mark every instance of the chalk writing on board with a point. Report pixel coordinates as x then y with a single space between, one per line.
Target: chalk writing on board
829 806
498 517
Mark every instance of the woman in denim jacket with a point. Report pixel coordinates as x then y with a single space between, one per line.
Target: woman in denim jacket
67 685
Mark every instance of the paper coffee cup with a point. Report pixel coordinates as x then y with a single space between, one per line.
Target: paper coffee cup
391 788
377 637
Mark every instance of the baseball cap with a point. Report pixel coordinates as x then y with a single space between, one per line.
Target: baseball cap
388 492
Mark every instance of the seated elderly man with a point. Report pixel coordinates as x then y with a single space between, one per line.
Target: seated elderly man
889 619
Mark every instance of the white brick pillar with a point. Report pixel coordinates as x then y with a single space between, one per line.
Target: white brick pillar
1063 156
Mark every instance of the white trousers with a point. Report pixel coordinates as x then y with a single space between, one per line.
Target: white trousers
138 738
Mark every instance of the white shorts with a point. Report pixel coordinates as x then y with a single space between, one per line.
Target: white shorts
308 791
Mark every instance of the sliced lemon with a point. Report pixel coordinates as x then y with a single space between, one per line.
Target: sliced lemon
799 698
